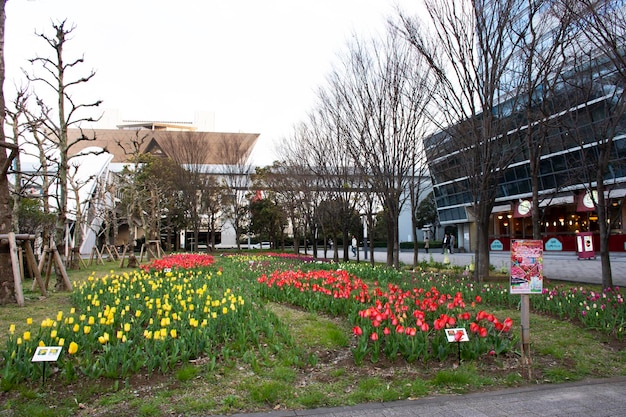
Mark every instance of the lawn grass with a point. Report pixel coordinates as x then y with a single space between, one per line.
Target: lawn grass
312 368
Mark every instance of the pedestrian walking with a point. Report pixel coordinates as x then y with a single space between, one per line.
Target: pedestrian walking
354 243
426 243
452 239
446 243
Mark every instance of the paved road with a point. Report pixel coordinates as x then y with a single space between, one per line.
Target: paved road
592 398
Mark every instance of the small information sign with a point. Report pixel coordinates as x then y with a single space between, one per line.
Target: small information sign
457 335
47 354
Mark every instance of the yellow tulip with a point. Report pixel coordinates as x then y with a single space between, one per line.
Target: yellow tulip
73 348
26 336
12 329
29 321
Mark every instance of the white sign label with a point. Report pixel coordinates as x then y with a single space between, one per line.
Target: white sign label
47 354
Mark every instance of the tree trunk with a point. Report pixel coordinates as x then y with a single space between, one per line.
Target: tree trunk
7 285
604 228
482 249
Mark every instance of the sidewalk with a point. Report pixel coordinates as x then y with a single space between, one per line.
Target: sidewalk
563 266
591 398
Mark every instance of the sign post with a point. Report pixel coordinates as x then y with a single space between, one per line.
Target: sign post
46 354
457 336
526 279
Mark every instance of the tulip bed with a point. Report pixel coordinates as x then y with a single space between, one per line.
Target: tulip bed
190 307
409 323
122 323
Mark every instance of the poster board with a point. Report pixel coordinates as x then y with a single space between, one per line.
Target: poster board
526 266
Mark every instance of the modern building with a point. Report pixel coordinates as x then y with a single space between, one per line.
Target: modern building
179 141
570 141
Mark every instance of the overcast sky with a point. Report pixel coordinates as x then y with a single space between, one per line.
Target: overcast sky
254 64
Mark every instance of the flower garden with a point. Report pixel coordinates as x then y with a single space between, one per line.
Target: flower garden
190 307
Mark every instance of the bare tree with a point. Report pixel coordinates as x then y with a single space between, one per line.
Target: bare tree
191 153
469 47
290 186
597 105
212 202
53 73
379 99
17 130
76 182
131 190
539 60
236 173
321 149
268 217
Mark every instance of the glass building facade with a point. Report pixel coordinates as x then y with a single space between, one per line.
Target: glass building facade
571 139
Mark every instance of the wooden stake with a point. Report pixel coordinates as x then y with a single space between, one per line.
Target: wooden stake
123 257
525 322
17 278
59 263
48 265
32 262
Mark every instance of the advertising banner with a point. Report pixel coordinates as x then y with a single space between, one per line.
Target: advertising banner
526 266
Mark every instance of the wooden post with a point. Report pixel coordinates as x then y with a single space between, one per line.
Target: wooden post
17 278
20 260
40 267
93 252
525 322
116 253
49 261
59 263
32 262
123 257
99 256
108 249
